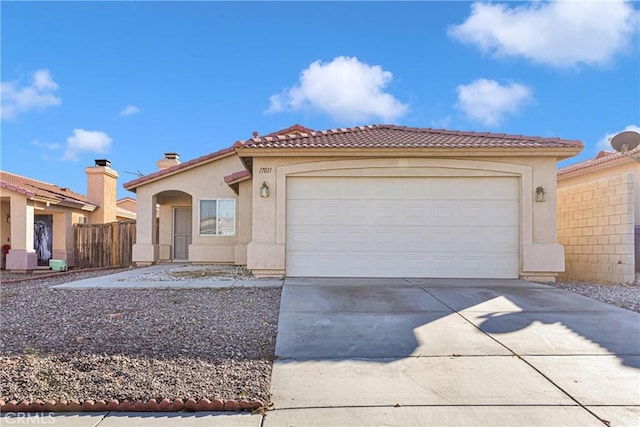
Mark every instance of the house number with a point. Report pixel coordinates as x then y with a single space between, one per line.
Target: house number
264 170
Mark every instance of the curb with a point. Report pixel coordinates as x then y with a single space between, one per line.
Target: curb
151 405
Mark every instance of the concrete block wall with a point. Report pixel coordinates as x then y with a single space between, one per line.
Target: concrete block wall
596 227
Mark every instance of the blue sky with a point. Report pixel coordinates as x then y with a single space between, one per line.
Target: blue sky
128 81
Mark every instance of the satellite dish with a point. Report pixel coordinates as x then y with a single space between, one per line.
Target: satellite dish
625 141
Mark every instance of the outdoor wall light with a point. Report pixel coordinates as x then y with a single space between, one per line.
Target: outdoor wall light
8 219
540 194
264 190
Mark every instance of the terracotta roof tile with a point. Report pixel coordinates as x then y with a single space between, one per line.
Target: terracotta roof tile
237 176
374 137
291 130
39 189
389 136
601 158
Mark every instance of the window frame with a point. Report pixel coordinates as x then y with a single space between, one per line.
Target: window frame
217 216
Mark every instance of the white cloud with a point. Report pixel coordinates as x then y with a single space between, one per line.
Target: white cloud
347 90
605 141
49 146
558 33
86 141
129 110
441 123
38 95
487 101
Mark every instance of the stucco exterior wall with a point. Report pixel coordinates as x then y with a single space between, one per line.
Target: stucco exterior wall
128 204
541 257
187 188
596 217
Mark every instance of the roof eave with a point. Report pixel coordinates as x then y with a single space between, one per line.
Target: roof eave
77 205
128 214
618 161
183 167
560 153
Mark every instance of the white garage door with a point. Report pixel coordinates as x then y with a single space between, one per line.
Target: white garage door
402 227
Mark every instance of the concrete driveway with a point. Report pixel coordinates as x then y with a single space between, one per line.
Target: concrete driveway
405 352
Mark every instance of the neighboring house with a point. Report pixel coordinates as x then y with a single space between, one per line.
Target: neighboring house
371 201
599 217
125 209
37 217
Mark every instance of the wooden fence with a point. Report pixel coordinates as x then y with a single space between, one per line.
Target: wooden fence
104 245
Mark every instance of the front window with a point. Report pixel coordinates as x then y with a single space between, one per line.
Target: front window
218 217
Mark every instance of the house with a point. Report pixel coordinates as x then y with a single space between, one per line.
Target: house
369 201
126 209
37 217
599 217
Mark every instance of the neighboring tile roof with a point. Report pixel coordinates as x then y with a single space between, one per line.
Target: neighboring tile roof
602 158
173 169
389 136
126 198
32 188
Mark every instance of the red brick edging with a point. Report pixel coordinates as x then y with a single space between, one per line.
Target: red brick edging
151 405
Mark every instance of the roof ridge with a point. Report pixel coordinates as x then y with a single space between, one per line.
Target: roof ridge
323 138
31 182
474 133
290 136
28 178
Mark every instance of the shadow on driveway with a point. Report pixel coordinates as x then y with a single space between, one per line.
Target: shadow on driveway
392 318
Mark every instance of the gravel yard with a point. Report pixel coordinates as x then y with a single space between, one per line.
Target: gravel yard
103 344
622 295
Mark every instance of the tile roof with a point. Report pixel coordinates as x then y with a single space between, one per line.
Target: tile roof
602 158
126 198
237 176
390 136
363 137
32 188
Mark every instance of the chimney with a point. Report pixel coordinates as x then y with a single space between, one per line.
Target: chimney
255 134
170 159
102 191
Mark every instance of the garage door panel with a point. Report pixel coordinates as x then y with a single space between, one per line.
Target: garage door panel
366 227
372 212
402 264
432 239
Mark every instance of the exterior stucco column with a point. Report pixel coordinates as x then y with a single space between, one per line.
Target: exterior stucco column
22 256
543 258
145 251
265 256
63 238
